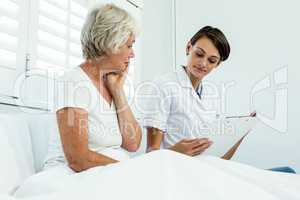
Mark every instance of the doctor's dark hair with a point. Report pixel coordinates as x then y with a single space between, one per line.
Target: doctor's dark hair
217 37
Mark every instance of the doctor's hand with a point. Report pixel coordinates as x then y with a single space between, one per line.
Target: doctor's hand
191 147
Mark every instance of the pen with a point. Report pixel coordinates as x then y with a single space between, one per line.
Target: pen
238 116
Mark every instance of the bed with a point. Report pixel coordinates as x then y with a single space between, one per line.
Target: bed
158 175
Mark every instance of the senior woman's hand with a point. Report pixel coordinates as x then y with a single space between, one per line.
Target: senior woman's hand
115 81
129 127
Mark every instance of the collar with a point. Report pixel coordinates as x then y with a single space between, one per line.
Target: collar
185 80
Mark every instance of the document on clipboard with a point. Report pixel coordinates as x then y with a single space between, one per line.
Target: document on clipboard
226 132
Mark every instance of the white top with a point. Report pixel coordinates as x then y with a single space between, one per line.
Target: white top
75 89
174 107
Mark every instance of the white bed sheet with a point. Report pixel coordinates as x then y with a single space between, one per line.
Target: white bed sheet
167 175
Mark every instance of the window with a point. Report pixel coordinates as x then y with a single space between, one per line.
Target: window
13 37
55 41
40 39
37 36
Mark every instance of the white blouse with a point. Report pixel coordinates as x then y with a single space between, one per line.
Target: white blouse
75 89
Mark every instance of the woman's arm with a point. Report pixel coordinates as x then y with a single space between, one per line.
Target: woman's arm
73 128
130 129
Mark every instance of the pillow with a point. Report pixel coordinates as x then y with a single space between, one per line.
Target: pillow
41 127
6 197
15 152
9 177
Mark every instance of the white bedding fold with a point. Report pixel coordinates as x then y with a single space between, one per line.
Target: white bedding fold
168 175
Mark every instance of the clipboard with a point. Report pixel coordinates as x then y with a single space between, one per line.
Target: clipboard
227 131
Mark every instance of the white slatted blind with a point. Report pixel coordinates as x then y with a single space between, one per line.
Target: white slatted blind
37 38
55 43
13 16
9 26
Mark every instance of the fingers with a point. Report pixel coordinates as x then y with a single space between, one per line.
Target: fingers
193 140
110 75
203 141
118 75
189 140
199 142
193 143
125 70
118 72
193 147
200 149
196 146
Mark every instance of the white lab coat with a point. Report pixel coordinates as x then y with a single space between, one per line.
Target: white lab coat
173 106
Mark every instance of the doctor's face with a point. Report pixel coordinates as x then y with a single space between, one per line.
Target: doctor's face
202 57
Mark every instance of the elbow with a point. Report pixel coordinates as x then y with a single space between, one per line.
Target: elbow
76 166
133 147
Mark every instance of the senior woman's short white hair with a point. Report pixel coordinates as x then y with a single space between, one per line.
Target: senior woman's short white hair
106 29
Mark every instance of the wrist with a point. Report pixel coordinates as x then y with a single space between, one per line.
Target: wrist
120 100
116 92
172 148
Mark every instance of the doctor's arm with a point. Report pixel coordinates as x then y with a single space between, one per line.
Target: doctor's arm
191 147
154 139
228 155
73 129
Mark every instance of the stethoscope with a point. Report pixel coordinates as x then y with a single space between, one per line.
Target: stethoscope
200 92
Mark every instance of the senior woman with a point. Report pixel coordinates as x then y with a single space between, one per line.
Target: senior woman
94 120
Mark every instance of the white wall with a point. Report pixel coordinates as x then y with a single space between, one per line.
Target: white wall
157 38
157 47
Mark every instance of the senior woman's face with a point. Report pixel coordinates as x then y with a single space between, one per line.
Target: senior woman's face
202 57
121 59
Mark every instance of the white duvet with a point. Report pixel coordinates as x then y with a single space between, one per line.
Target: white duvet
167 175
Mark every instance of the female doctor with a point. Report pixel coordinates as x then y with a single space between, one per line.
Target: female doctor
175 119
